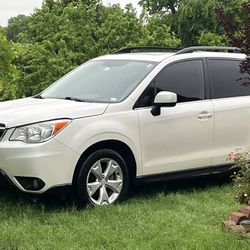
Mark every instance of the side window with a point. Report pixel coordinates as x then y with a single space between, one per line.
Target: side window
227 79
183 78
147 97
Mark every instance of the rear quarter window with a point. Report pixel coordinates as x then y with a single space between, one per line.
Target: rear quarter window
227 79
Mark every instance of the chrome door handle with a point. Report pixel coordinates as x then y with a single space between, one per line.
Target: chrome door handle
205 115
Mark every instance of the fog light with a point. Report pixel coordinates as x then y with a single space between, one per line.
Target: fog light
30 183
35 184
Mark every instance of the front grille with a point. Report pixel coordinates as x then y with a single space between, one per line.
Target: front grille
2 130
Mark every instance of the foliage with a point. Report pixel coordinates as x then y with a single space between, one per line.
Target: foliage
7 69
64 34
212 39
39 66
15 26
5 55
242 177
194 17
190 19
237 35
158 33
156 6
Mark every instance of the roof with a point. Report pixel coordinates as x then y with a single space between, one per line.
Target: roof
160 56
143 56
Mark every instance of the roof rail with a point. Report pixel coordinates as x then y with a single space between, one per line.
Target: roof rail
146 48
209 48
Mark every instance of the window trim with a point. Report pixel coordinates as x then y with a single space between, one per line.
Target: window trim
205 84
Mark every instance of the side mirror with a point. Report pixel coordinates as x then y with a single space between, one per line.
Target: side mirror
163 99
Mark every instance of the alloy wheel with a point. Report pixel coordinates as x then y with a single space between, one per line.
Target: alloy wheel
104 182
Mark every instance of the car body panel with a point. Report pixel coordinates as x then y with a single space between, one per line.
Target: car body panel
50 161
122 126
168 141
30 110
232 119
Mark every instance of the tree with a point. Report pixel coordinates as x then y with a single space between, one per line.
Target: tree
5 55
157 6
15 26
7 70
191 19
194 16
238 34
212 39
158 33
64 34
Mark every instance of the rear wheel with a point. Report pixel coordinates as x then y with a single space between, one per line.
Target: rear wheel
103 179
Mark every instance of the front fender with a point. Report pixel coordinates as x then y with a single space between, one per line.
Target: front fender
85 132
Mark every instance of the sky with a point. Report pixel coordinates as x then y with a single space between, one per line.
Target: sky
11 8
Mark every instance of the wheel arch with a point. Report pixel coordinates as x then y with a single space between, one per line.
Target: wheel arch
120 147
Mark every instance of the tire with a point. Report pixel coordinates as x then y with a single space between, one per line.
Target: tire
103 179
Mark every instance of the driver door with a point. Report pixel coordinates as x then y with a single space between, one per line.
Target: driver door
180 138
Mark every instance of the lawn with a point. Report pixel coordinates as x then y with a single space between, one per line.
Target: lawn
177 215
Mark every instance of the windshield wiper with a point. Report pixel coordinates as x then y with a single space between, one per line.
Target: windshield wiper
77 99
38 97
73 99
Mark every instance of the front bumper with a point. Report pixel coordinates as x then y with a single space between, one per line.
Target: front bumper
52 162
5 181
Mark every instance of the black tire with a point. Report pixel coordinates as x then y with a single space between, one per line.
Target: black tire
82 194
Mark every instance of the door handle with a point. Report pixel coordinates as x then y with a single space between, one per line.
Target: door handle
204 115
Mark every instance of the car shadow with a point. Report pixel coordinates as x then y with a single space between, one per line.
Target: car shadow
55 202
181 185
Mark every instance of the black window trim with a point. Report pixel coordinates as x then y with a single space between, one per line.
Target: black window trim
210 78
206 80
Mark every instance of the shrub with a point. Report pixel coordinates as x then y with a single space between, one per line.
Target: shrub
241 178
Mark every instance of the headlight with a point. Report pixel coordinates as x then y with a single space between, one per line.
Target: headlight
39 132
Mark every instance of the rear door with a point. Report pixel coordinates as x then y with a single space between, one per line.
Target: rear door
231 100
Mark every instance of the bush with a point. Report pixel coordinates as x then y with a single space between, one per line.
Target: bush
241 178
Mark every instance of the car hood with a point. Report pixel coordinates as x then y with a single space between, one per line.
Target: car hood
31 110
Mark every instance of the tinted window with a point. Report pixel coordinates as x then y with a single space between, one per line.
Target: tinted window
183 78
227 79
147 97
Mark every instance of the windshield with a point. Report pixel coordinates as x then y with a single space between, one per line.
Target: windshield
100 81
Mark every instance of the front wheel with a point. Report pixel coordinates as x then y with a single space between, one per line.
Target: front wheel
103 179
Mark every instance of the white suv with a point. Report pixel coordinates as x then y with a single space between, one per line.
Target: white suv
126 118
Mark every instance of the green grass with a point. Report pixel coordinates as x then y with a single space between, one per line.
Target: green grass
177 215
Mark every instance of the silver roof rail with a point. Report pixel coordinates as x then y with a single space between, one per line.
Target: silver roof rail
209 48
146 49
